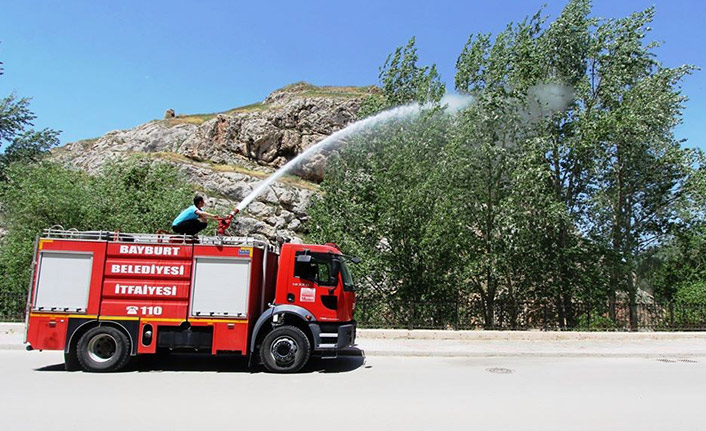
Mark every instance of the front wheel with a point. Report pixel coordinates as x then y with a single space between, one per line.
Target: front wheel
103 349
285 350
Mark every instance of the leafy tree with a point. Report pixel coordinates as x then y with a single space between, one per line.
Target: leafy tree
642 171
21 143
379 194
34 197
477 183
604 81
526 71
403 81
563 50
379 201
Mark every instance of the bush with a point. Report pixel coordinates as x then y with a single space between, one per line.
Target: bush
690 305
691 293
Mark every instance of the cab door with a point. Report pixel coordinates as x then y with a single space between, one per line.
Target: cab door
318 284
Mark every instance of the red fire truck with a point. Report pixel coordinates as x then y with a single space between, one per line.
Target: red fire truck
106 297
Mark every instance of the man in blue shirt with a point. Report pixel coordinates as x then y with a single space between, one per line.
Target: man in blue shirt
192 220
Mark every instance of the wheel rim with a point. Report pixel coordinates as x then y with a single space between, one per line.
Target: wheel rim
284 350
102 348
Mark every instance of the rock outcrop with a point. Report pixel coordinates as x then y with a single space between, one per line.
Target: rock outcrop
225 155
154 137
288 121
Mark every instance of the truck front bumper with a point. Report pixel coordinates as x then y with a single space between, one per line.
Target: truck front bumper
332 336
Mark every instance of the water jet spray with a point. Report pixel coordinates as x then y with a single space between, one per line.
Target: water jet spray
451 103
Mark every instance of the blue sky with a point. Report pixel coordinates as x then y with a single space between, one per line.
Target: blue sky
94 66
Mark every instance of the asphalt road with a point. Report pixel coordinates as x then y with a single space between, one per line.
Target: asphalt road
355 393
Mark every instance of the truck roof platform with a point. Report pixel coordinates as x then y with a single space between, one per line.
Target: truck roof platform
154 238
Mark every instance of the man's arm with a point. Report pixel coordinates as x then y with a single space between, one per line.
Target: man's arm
206 215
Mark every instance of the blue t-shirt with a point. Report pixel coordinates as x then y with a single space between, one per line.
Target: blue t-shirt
187 214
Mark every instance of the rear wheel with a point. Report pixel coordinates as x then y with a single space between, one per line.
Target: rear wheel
103 349
285 350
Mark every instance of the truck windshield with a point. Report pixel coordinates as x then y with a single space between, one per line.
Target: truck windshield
347 280
320 269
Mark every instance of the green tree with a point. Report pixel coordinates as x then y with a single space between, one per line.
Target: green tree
19 141
564 49
403 81
522 81
379 194
643 172
477 184
591 91
379 201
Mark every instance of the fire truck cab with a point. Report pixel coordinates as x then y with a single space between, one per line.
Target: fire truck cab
106 297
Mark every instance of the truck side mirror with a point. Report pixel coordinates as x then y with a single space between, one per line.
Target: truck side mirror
335 271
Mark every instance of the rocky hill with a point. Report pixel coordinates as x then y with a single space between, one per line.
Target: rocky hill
226 154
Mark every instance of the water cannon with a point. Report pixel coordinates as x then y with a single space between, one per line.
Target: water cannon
224 222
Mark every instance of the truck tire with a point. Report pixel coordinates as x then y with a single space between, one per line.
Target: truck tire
103 349
285 350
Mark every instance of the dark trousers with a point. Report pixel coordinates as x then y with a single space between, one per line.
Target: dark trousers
190 227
